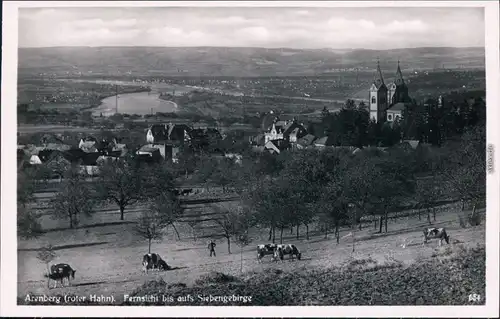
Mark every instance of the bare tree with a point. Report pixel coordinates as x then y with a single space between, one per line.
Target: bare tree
233 224
168 208
46 255
75 199
150 227
121 183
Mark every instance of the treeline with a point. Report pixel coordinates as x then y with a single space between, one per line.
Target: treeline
432 121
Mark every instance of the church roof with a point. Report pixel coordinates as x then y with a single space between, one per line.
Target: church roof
379 78
398 106
399 76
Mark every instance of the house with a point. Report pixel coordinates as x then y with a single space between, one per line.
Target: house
276 146
35 160
258 140
305 141
395 113
88 144
149 154
323 142
88 164
167 133
282 130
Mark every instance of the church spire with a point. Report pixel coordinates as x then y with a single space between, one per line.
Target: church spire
379 79
399 76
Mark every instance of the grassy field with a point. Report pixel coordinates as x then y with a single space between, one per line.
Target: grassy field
107 254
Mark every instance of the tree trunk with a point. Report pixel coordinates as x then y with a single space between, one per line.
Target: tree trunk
270 233
337 232
177 232
385 219
71 224
374 224
298 231
122 211
380 224
149 246
429 216
473 210
307 231
434 213
463 205
419 217
281 235
360 225
274 234
228 244
241 259
291 230
326 231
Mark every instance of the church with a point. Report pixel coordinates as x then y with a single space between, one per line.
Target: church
387 102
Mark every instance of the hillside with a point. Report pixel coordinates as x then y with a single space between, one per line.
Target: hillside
240 62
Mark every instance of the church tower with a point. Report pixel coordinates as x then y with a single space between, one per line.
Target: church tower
378 96
398 91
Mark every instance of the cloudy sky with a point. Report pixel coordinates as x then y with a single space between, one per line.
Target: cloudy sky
370 28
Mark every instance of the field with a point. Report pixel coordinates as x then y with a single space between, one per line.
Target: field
107 254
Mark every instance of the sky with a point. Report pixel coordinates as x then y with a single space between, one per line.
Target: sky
304 28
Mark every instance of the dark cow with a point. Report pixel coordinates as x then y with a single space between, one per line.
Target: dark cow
286 249
436 233
151 261
60 271
265 249
162 265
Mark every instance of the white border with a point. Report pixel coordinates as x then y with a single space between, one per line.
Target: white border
8 275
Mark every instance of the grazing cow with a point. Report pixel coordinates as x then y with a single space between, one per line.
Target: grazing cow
436 233
152 261
162 265
59 272
265 249
287 249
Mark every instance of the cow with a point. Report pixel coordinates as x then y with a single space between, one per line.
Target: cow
187 191
436 233
153 261
60 271
265 249
286 249
162 265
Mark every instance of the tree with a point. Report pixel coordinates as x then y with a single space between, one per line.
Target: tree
121 182
466 172
228 224
46 255
168 208
75 199
150 226
28 224
241 235
427 193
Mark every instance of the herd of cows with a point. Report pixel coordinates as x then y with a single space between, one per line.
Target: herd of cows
154 261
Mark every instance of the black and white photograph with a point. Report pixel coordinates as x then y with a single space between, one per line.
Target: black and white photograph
223 156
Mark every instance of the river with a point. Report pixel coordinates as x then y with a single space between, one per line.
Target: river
146 103
135 103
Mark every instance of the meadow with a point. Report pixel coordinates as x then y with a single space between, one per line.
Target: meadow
107 256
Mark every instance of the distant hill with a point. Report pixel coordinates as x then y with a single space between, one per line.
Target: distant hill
239 62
